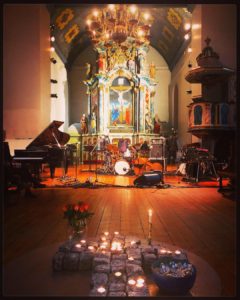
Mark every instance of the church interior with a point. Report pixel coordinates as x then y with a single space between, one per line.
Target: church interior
119 150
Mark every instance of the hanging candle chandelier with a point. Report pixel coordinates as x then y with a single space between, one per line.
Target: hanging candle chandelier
119 24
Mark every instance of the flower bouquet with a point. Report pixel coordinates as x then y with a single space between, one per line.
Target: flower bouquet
77 216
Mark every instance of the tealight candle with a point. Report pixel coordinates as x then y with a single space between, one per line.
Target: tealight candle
91 248
133 242
169 252
78 246
140 280
177 252
139 284
117 274
116 232
101 289
106 233
131 282
103 238
131 258
83 241
163 251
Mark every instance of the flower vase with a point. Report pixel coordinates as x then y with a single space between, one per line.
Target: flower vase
77 229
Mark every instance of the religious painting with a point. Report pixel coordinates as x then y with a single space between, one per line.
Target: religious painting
121 103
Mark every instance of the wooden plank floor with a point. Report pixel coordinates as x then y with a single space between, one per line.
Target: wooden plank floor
198 219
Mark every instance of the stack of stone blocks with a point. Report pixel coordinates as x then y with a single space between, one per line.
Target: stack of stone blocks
132 262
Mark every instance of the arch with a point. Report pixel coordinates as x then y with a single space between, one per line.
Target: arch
197 115
224 111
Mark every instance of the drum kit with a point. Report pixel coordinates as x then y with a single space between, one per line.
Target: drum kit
131 160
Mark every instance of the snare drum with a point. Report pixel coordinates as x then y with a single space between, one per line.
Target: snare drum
122 167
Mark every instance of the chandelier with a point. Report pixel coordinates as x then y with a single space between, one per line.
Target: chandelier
118 24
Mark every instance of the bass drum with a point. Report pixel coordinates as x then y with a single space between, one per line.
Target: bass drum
121 167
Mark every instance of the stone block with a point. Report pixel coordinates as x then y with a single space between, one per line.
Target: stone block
133 270
86 259
104 268
118 266
117 294
117 279
120 256
117 287
99 279
148 259
57 262
100 260
94 293
71 261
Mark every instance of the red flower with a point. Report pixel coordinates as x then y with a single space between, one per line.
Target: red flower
86 206
81 208
76 207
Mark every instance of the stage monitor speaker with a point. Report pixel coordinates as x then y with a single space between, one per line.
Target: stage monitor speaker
149 179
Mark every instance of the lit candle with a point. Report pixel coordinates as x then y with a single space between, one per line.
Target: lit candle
78 246
106 233
177 252
101 290
140 280
133 242
116 232
91 248
163 251
131 282
169 252
139 284
83 241
150 215
118 274
131 258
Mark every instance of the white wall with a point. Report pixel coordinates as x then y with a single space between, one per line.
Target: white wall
59 106
163 78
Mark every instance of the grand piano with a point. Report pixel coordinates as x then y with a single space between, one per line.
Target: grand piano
48 147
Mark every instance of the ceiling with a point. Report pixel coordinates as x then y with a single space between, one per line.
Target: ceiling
167 31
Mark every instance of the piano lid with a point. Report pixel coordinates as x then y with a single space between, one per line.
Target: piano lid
50 136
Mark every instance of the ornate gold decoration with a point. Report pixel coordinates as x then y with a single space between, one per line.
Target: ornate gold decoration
119 24
174 18
72 33
163 46
64 18
167 33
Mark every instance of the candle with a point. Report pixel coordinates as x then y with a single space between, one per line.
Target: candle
90 248
116 232
103 238
163 251
177 252
83 241
139 284
150 215
140 280
78 246
133 242
131 258
101 289
131 282
106 233
117 274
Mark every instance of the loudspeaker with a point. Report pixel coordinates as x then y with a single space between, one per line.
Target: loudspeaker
149 179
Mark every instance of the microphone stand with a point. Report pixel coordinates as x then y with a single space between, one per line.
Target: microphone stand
96 179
